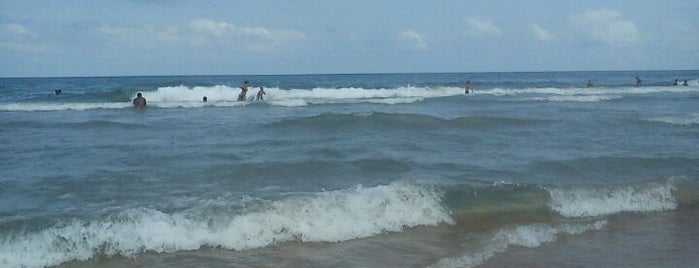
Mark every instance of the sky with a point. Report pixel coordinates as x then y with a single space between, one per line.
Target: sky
207 37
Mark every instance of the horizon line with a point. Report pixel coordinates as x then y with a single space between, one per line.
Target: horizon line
377 73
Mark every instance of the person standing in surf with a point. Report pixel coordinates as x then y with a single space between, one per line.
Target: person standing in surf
467 88
243 91
260 94
139 102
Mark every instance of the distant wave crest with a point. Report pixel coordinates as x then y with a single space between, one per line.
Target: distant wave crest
359 121
226 96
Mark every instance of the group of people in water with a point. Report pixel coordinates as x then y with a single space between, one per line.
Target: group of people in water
684 84
244 92
140 102
468 89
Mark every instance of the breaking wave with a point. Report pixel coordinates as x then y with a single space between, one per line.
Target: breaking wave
327 216
226 96
335 216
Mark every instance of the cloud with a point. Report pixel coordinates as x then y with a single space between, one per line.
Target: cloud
481 28
541 33
203 32
207 32
606 26
414 39
222 29
15 37
13 28
142 35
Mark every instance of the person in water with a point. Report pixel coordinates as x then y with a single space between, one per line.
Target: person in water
675 83
685 83
139 102
589 83
243 91
58 92
467 88
204 99
638 81
260 93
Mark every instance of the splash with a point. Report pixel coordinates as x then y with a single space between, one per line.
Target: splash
531 236
326 216
593 202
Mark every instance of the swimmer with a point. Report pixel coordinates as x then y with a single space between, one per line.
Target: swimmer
243 91
139 102
260 93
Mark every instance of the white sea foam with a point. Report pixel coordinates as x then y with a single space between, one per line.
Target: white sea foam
533 235
226 96
577 98
592 202
573 91
327 216
300 97
26 107
690 119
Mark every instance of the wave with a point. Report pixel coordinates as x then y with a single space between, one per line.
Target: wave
685 120
302 97
339 215
584 91
530 236
605 168
406 94
226 96
373 120
322 217
577 98
90 124
593 202
582 208
39 107
570 201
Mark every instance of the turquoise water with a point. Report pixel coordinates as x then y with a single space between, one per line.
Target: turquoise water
405 164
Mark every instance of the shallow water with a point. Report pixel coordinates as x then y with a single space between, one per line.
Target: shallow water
345 170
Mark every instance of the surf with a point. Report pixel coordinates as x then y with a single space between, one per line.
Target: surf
340 215
331 216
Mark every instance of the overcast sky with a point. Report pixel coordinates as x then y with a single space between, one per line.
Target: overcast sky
178 37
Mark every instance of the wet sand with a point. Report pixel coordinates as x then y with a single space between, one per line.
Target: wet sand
660 239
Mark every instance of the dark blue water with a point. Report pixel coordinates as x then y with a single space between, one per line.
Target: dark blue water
335 158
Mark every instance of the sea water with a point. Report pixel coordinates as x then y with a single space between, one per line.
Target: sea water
360 170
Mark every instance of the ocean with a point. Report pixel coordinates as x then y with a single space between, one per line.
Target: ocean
351 170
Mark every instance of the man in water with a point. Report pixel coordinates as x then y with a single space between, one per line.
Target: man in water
468 87
260 93
638 81
243 91
589 83
139 102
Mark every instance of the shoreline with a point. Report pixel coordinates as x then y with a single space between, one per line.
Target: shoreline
656 239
